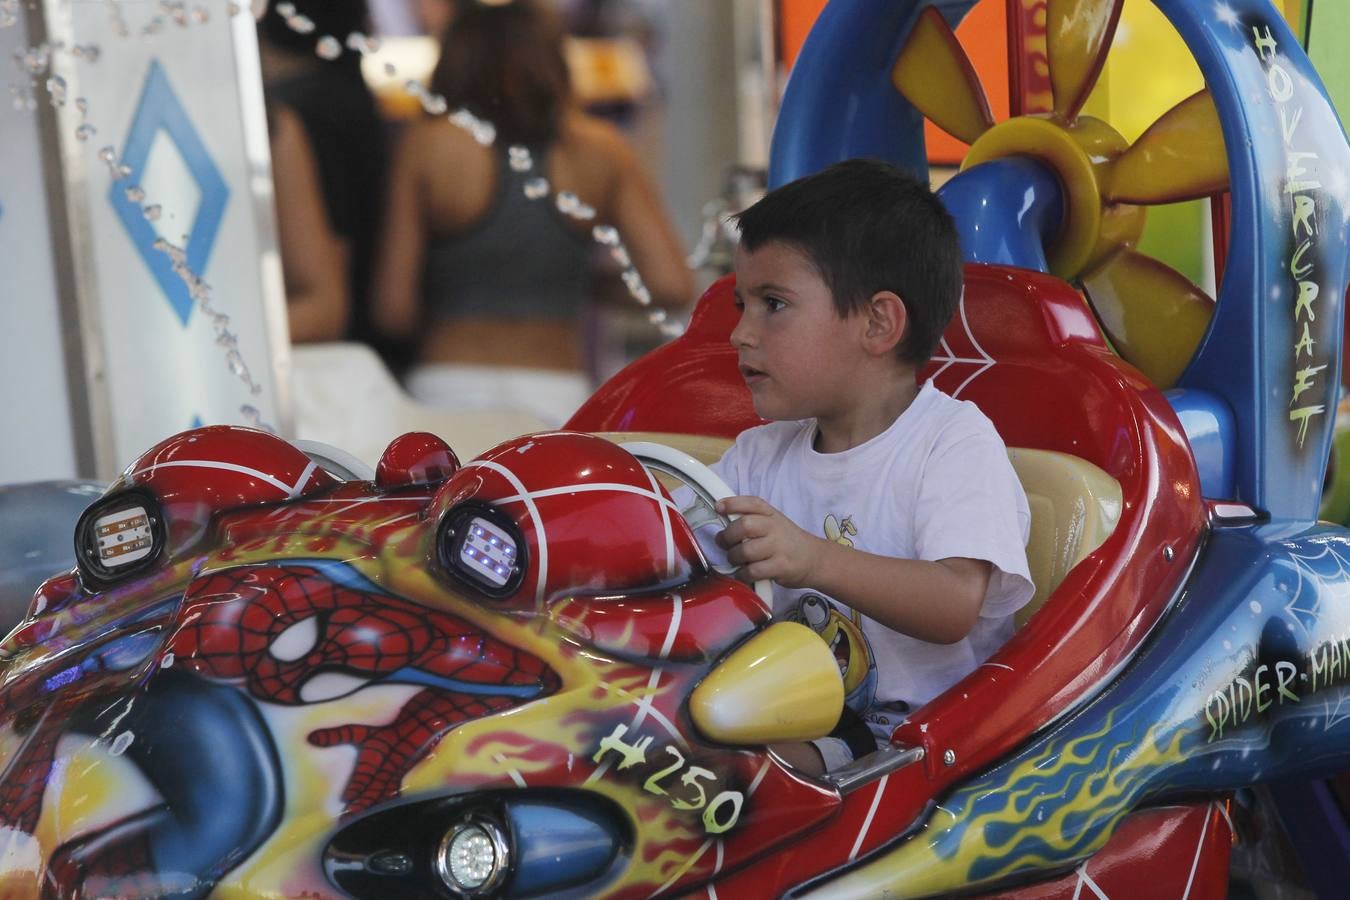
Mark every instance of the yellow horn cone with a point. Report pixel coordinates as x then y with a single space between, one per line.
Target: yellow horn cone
781 685
1152 313
933 73
1177 158
1078 36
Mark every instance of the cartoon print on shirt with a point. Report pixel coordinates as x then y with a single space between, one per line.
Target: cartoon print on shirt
842 631
839 531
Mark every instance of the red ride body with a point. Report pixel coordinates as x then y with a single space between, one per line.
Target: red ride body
1058 387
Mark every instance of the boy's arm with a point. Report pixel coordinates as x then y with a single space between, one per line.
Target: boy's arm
937 601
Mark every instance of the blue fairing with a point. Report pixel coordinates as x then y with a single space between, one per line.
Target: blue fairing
560 845
1247 680
1286 152
1004 225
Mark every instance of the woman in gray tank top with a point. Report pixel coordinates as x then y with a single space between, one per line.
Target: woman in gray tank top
491 276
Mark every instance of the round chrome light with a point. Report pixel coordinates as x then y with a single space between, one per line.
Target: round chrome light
472 858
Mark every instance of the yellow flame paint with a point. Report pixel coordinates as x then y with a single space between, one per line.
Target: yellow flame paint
926 865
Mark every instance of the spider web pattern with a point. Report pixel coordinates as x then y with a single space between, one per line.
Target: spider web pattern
946 357
1325 574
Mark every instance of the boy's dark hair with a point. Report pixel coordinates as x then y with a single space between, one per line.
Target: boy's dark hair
867 227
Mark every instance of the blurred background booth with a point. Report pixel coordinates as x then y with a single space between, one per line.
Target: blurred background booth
142 286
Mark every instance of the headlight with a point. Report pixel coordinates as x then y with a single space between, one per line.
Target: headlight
117 536
517 843
473 858
481 546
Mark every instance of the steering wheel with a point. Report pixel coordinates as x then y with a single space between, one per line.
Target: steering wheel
336 461
707 488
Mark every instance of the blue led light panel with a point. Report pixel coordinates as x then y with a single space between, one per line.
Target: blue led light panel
489 551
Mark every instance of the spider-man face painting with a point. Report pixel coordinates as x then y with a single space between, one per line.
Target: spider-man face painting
293 669
307 634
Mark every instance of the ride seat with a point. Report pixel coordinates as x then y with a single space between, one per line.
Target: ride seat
1074 508
1074 505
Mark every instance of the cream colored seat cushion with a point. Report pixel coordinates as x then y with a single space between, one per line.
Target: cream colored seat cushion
1074 505
1074 508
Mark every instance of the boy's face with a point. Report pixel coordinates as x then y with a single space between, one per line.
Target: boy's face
797 356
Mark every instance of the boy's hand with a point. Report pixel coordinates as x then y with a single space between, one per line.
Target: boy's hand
767 543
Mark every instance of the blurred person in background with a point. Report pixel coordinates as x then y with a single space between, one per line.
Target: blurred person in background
433 16
325 134
318 296
492 281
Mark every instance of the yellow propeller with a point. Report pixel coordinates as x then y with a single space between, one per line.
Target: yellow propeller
1154 315
1176 159
949 91
1078 35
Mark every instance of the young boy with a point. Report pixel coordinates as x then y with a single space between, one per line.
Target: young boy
887 514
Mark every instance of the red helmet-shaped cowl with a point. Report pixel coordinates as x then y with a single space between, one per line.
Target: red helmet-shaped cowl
591 518
200 472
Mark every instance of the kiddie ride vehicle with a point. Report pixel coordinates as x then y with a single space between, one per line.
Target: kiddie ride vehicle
518 676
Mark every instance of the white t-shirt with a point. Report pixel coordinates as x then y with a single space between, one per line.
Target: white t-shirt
936 484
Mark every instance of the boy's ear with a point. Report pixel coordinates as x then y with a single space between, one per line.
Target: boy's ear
887 323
